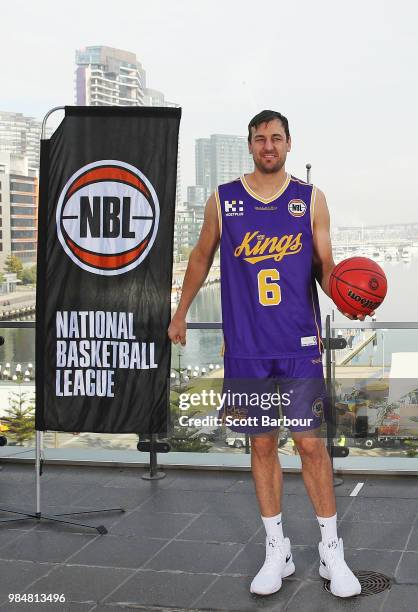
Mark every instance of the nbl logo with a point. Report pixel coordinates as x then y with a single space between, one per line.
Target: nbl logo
107 217
297 208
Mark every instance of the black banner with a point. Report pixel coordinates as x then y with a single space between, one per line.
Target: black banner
105 254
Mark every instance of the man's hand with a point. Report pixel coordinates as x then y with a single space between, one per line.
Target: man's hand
177 330
358 317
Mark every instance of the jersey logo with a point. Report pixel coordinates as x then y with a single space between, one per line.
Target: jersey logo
297 208
232 209
257 247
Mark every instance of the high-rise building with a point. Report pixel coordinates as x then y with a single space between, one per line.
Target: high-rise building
196 195
221 158
153 97
18 209
203 164
20 135
108 77
189 221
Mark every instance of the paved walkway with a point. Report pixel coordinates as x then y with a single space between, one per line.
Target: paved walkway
193 541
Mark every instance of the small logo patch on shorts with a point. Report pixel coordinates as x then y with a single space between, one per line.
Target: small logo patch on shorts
318 407
308 341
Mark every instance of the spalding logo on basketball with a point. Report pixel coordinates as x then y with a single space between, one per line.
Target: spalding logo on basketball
107 217
358 285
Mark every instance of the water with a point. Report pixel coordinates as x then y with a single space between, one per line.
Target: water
204 346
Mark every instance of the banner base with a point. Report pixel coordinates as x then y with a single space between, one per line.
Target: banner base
38 516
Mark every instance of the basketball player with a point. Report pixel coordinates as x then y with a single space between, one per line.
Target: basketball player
273 232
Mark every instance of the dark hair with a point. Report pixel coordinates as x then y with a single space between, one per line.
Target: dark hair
264 117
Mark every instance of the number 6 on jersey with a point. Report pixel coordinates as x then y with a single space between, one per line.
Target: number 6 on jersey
269 294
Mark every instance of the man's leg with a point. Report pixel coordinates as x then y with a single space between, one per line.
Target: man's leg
316 471
267 475
266 472
318 479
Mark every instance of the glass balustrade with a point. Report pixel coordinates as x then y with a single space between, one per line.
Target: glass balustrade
374 384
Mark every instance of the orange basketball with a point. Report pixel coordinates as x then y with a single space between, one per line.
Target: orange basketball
357 285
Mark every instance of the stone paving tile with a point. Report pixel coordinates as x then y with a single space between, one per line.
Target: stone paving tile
151 589
49 547
413 542
86 584
159 525
177 501
368 534
232 593
401 598
407 571
194 557
202 482
312 597
9 535
402 511
118 551
17 575
221 528
393 486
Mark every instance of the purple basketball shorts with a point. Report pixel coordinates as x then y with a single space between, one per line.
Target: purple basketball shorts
264 394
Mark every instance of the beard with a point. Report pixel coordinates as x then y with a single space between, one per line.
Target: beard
266 169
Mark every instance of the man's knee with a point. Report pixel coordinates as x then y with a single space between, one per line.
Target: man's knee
310 446
264 445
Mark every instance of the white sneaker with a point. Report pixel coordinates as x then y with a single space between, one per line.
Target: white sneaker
333 567
278 565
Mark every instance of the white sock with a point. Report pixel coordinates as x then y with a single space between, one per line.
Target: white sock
273 526
328 527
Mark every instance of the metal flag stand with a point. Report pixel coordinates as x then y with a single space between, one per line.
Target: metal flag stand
37 515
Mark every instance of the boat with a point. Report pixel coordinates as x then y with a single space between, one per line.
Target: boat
391 254
376 255
406 255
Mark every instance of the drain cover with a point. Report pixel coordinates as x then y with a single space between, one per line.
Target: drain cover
371 583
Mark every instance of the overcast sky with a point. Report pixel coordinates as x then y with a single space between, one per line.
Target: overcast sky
345 75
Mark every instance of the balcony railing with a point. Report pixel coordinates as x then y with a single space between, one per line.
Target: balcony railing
374 420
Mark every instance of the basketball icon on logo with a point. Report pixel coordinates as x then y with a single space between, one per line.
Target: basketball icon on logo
107 217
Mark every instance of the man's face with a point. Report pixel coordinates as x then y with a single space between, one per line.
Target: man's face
269 147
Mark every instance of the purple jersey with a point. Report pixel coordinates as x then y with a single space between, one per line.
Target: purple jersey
269 299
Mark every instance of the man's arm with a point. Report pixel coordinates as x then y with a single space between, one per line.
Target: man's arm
200 261
323 261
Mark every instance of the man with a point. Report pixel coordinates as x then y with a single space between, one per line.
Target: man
273 232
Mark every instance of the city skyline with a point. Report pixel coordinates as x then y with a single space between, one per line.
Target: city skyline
344 84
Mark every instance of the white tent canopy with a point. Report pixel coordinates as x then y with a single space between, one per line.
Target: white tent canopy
403 375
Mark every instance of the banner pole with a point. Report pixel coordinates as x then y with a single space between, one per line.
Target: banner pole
24 516
38 472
